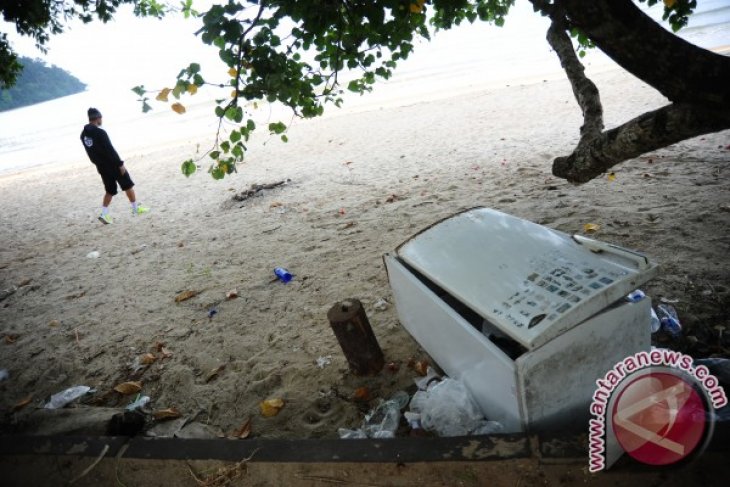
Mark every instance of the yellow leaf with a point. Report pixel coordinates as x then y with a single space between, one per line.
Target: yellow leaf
271 407
233 94
192 89
169 413
591 227
612 176
669 3
233 72
162 96
128 388
417 6
178 108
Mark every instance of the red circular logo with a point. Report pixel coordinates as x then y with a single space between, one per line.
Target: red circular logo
659 418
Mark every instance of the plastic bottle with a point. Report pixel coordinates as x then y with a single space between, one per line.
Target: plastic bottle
655 323
636 296
669 320
283 274
139 403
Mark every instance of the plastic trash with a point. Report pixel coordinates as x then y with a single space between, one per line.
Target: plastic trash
636 296
4 374
322 362
383 421
381 305
402 398
62 398
413 420
283 274
346 434
655 323
212 312
447 409
669 320
488 428
140 402
93 255
428 380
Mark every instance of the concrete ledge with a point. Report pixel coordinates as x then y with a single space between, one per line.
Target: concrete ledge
398 450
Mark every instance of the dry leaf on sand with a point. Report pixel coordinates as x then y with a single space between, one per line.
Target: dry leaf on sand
21 404
185 295
361 394
128 388
244 431
169 413
214 373
147 359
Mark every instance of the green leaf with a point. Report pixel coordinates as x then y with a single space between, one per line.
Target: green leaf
188 168
145 106
218 173
215 154
277 128
235 136
284 138
139 90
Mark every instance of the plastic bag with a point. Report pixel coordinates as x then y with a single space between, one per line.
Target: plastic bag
62 398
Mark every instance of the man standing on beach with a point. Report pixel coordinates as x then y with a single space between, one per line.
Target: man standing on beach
111 168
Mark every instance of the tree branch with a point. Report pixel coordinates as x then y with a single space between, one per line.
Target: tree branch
585 91
647 132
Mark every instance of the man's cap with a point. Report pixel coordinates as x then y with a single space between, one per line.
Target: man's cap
93 113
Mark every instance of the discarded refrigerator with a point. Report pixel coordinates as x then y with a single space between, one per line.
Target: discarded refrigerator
527 317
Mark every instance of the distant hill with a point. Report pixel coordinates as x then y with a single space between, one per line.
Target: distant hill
39 82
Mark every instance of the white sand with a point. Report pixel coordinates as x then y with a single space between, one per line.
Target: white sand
491 148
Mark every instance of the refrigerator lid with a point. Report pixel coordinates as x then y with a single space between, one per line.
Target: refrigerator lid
531 282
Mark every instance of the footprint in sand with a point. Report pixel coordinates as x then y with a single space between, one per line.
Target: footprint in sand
318 412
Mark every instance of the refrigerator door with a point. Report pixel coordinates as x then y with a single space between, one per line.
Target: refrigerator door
530 282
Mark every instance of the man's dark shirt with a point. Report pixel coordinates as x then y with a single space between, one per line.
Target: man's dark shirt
99 148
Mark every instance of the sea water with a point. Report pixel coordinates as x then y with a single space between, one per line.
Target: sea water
465 59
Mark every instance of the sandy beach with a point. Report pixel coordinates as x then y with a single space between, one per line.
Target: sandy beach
361 182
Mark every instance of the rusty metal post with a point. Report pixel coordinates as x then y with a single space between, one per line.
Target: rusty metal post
352 329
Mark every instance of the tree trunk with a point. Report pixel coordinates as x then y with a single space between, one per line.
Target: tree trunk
678 69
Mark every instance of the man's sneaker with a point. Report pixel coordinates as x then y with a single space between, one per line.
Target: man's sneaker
105 219
140 210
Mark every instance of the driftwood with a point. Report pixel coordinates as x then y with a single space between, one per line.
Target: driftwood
257 190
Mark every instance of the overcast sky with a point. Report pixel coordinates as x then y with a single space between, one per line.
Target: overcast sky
129 51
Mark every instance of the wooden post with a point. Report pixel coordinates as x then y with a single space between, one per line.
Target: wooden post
352 329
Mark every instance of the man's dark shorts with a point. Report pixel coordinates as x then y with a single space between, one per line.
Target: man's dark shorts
111 176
